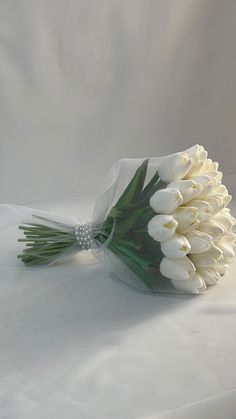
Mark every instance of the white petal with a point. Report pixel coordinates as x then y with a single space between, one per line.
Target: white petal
199 241
225 219
177 268
230 238
195 285
174 167
207 182
222 268
176 247
162 227
227 249
212 228
203 206
189 189
210 275
215 252
202 260
165 201
185 216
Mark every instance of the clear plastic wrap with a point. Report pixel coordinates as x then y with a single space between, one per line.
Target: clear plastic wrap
159 224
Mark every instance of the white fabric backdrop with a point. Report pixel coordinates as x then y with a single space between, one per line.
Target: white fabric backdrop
77 344
82 84
86 82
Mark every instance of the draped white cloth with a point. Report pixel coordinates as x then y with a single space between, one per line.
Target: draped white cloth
82 84
77 343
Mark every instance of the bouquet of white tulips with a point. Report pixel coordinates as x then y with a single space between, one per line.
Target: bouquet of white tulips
162 223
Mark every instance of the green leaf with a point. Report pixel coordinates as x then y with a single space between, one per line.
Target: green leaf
154 185
151 184
134 188
131 261
129 250
127 222
115 213
135 243
143 219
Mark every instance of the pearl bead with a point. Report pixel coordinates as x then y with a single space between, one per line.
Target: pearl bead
83 234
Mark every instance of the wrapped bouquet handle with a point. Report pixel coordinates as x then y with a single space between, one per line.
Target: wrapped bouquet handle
159 222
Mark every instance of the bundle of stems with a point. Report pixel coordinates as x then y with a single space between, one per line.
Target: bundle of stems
130 242
45 242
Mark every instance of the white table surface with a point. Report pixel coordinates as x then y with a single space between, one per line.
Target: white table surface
77 344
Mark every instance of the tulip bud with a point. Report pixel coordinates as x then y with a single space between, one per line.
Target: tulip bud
199 241
221 193
207 183
162 227
174 167
225 219
197 153
209 165
202 260
205 209
228 253
177 268
187 218
222 269
198 156
195 285
176 247
221 190
215 252
227 199
188 188
212 228
230 238
165 201
216 201
210 275
215 174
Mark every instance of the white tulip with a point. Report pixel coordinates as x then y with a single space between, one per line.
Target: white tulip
204 207
166 200
222 269
199 241
197 153
187 218
227 199
212 228
215 252
189 189
202 260
201 205
225 219
215 174
230 238
221 190
198 156
195 170
209 165
227 249
177 268
219 198
176 247
162 227
210 275
174 167
195 285
216 201
207 182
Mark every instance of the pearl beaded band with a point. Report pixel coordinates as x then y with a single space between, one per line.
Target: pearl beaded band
83 234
